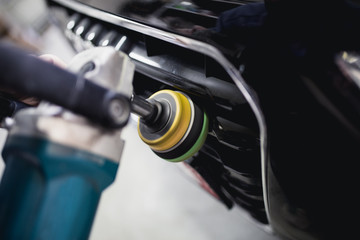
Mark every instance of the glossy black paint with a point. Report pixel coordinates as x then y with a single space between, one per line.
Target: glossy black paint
313 124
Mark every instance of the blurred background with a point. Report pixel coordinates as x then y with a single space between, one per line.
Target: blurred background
151 198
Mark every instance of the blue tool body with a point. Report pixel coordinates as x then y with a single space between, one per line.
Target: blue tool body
49 190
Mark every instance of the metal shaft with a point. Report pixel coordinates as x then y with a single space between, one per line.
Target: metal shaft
143 108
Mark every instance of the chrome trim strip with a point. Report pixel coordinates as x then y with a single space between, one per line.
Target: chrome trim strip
196 46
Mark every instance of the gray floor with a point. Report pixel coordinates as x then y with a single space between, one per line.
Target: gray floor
154 199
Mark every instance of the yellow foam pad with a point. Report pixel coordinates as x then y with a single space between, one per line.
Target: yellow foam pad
179 126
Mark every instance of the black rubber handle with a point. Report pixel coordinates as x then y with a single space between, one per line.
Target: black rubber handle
32 76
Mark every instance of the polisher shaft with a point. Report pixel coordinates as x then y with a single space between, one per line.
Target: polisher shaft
143 108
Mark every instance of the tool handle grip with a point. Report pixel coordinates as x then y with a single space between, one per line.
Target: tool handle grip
29 75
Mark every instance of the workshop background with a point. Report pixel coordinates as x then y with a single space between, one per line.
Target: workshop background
151 198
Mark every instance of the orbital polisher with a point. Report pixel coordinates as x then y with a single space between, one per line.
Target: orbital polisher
61 155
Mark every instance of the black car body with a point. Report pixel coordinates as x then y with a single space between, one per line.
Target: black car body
281 92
